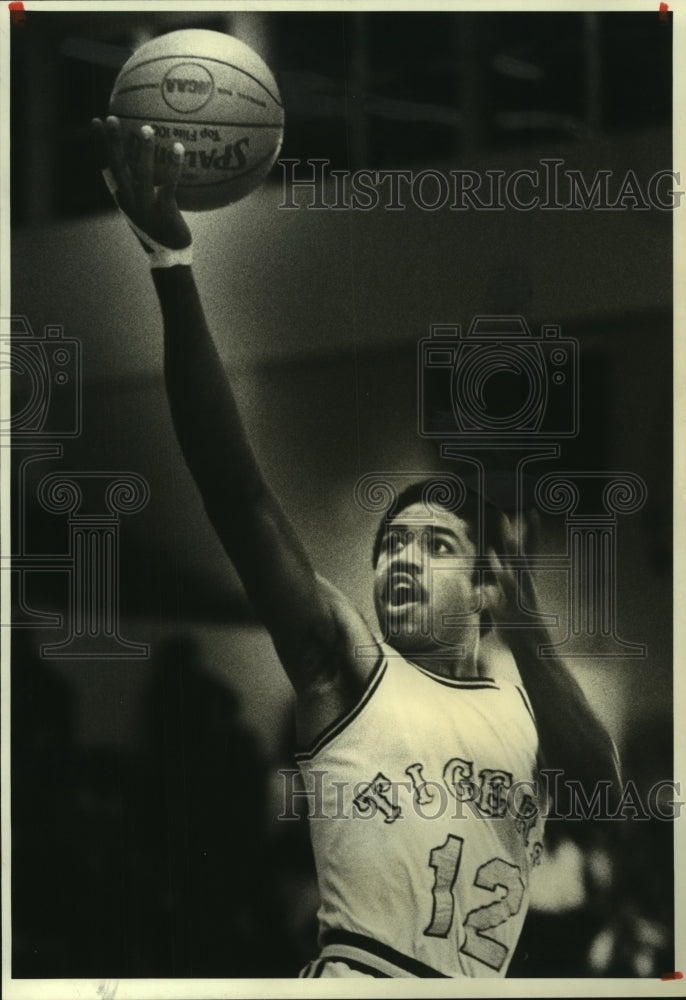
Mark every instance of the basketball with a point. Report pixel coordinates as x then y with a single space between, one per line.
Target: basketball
214 94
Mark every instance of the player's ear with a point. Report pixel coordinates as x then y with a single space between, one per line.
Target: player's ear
491 595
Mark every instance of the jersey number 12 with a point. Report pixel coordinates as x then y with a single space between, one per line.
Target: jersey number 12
445 861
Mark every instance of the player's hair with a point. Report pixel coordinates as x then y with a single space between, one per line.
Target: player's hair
473 509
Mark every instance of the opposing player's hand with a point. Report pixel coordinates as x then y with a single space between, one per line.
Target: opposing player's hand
152 208
517 605
517 590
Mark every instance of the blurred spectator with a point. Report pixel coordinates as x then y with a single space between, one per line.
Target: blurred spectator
636 938
603 896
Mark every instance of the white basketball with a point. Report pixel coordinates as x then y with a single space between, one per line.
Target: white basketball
214 94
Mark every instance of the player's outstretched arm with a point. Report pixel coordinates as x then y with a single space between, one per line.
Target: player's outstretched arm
313 627
571 736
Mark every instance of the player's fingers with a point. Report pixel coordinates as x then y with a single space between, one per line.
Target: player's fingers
509 534
118 164
100 142
528 589
503 608
142 171
504 574
533 531
173 172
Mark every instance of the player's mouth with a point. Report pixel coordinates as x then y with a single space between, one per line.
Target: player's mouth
402 590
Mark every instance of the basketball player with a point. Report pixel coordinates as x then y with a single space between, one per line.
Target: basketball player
422 774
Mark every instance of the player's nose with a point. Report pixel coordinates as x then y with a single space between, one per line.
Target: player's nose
410 554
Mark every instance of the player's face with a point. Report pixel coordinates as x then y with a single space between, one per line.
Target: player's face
426 592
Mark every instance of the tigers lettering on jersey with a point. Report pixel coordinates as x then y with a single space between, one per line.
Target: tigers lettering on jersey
488 797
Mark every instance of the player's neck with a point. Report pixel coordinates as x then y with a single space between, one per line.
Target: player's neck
450 665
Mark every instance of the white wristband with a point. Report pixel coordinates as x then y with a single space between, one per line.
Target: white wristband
158 254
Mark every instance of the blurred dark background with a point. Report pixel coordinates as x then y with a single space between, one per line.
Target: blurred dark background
374 90
145 793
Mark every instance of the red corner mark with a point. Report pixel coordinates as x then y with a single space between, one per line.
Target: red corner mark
671 975
664 8
17 13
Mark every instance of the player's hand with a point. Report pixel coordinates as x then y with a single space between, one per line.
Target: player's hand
152 208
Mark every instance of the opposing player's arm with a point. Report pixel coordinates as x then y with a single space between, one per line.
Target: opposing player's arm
315 630
571 736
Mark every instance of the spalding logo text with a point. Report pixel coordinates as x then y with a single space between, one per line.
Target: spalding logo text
233 158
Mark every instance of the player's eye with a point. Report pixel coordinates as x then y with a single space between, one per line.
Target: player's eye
441 546
394 542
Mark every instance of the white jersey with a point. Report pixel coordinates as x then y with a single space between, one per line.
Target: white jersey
425 824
